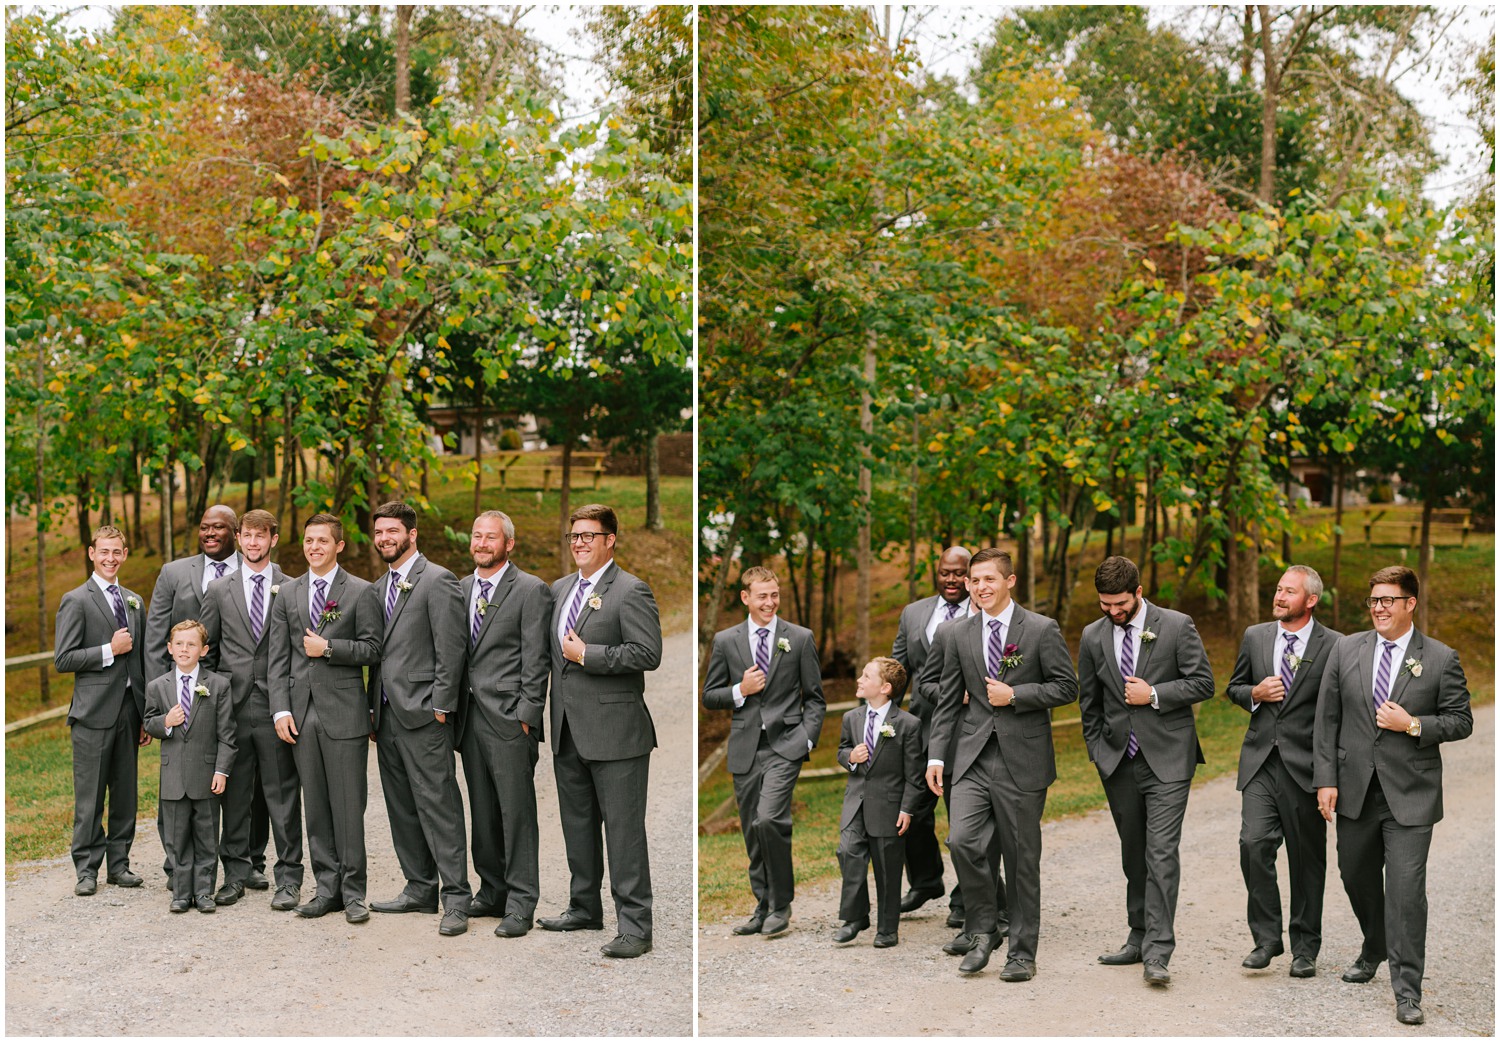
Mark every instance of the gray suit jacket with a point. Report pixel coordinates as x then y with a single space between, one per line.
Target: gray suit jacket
911 649
86 622
506 673
604 700
233 652
178 595
354 639
1043 680
1286 725
194 752
1175 664
891 781
422 652
1349 750
790 708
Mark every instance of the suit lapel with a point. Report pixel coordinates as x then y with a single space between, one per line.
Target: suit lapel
1398 669
881 741
929 606
500 591
594 591
415 573
1366 683
335 591
776 654
1143 653
975 643
101 604
1017 627
1314 644
1109 661
238 597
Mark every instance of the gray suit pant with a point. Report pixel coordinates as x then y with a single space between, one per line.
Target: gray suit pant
191 845
857 851
1148 816
956 895
335 789
1273 806
426 809
764 796
1392 911
501 777
607 796
104 761
987 801
263 765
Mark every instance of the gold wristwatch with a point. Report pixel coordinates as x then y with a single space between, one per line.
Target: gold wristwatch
1414 728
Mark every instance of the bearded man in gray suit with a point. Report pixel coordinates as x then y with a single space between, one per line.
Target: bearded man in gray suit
1140 669
766 670
606 635
507 664
1014 666
1275 680
1390 696
413 689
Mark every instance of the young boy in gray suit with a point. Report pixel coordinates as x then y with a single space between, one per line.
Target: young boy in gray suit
880 745
191 712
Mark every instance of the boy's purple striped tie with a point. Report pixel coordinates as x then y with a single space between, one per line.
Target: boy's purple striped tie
186 701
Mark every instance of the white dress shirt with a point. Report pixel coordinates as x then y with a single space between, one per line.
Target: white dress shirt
1398 659
879 715
562 618
312 593
230 563
940 615
247 587
177 690
494 582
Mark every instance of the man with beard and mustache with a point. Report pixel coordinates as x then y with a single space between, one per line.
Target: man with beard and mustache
1275 779
236 614
507 663
413 689
1140 669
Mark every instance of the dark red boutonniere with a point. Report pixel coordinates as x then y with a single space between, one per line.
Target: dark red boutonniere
1012 657
330 612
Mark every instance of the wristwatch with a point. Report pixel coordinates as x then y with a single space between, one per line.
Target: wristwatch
328 650
1414 728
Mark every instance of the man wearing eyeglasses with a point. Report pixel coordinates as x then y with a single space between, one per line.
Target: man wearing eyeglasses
606 637
1389 696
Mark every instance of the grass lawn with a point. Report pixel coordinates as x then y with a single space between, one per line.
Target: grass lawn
1461 594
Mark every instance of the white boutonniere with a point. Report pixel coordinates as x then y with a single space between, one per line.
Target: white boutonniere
887 731
275 589
1147 636
201 691
1413 667
1294 662
403 586
783 645
134 602
596 602
480 605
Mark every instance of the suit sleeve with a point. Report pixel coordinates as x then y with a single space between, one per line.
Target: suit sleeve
1327 723
950 698
224 719
364 648
846 740
70 654
1089 708
914 770
1454 719
718 686
1195 681
639 650
445 616
927 685
279 658
211 617
155 711
813 705
159 620
1241 682
536 655
1061 684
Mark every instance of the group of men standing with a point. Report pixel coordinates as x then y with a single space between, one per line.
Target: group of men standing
453 665
1344 727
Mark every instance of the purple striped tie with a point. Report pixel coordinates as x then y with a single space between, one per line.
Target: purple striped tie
219 568
393 587
952 611
576 606
186 701
870 730
257 607
1127 669
1287 672
120 620
320 589
1383 675
763 651
996 648
484 596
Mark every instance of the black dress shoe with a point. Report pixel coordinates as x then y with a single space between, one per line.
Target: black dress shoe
1128 955
915 898
229 893
1018 970
87 886
454 923
1261 957
286 898
749 926
205 903
963 944
318 907
849 930
625 946
569 921
512 925
1360 972
776 922
125 878
1304 966
1156 973
885 940
257 880
1408 1012
482 909
955 920
404 902
180 904
355 912
979 957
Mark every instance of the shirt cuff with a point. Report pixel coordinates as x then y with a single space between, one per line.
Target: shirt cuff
809 745
109 656
1254 705
277 716
934 763
734 693
1154 704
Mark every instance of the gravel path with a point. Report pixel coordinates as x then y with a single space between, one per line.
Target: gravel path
801 983
119 963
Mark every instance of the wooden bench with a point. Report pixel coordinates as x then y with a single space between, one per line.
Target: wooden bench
534 469
1406 530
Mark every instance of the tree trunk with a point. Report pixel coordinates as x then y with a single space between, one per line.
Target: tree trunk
1286 531
425 467
863 555
1270 91
137 495
81 508
654 520
1424 557
828 615
708 614
564 509
478 445
168 541
1338 537
916 478
41 537
403 58
1025 564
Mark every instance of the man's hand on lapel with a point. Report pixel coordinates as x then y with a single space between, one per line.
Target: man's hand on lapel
572 647
1268 690
1137 692
1000 693
860 753
753 682
121 643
